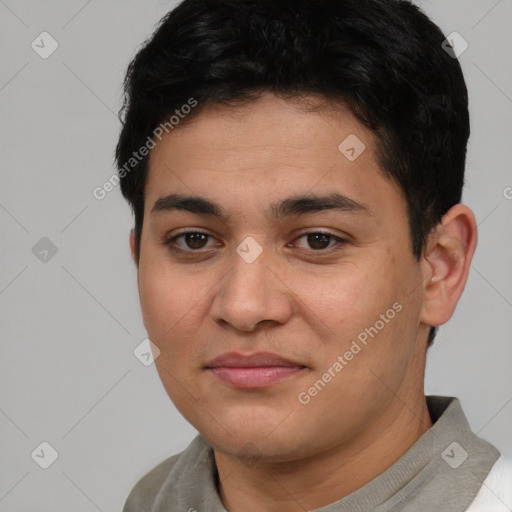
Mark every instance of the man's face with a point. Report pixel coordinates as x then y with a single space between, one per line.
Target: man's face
306 297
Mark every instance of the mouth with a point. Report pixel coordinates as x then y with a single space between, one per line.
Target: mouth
253 371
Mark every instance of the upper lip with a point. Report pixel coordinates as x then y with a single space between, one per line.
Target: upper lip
236 360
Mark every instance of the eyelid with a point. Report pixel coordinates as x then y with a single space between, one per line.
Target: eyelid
323 231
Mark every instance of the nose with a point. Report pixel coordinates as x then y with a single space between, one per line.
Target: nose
252 294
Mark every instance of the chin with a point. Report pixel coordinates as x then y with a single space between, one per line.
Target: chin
256 440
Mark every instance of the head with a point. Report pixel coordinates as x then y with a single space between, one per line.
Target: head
327 139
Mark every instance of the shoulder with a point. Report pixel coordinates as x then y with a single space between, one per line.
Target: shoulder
163 477
495 495
145 490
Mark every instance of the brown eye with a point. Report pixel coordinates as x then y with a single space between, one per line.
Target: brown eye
195 240
191 241
319 241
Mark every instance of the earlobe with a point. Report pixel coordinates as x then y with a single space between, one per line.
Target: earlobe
447 263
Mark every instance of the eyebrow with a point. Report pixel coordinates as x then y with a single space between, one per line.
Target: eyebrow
291 206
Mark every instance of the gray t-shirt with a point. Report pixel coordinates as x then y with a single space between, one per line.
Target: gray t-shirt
442 471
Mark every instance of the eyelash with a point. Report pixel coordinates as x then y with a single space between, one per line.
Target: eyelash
340 242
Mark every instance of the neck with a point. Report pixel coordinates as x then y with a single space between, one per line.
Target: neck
317 481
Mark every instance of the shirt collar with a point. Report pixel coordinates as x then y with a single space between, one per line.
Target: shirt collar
448 456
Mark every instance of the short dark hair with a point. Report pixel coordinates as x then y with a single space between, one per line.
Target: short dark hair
382 58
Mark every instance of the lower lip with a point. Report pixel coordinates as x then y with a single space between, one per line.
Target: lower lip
258 377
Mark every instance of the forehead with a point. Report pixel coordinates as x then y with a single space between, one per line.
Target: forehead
268 150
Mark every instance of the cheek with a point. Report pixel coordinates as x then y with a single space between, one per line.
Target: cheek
165 297
174 303
348 298
360 304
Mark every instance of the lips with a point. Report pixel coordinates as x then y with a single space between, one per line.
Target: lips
253 371
235 360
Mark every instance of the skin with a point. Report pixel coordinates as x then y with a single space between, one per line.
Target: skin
272 452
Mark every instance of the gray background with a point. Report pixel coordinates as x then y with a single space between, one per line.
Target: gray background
70 323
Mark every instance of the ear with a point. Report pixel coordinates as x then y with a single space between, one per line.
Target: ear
446 264
132 247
